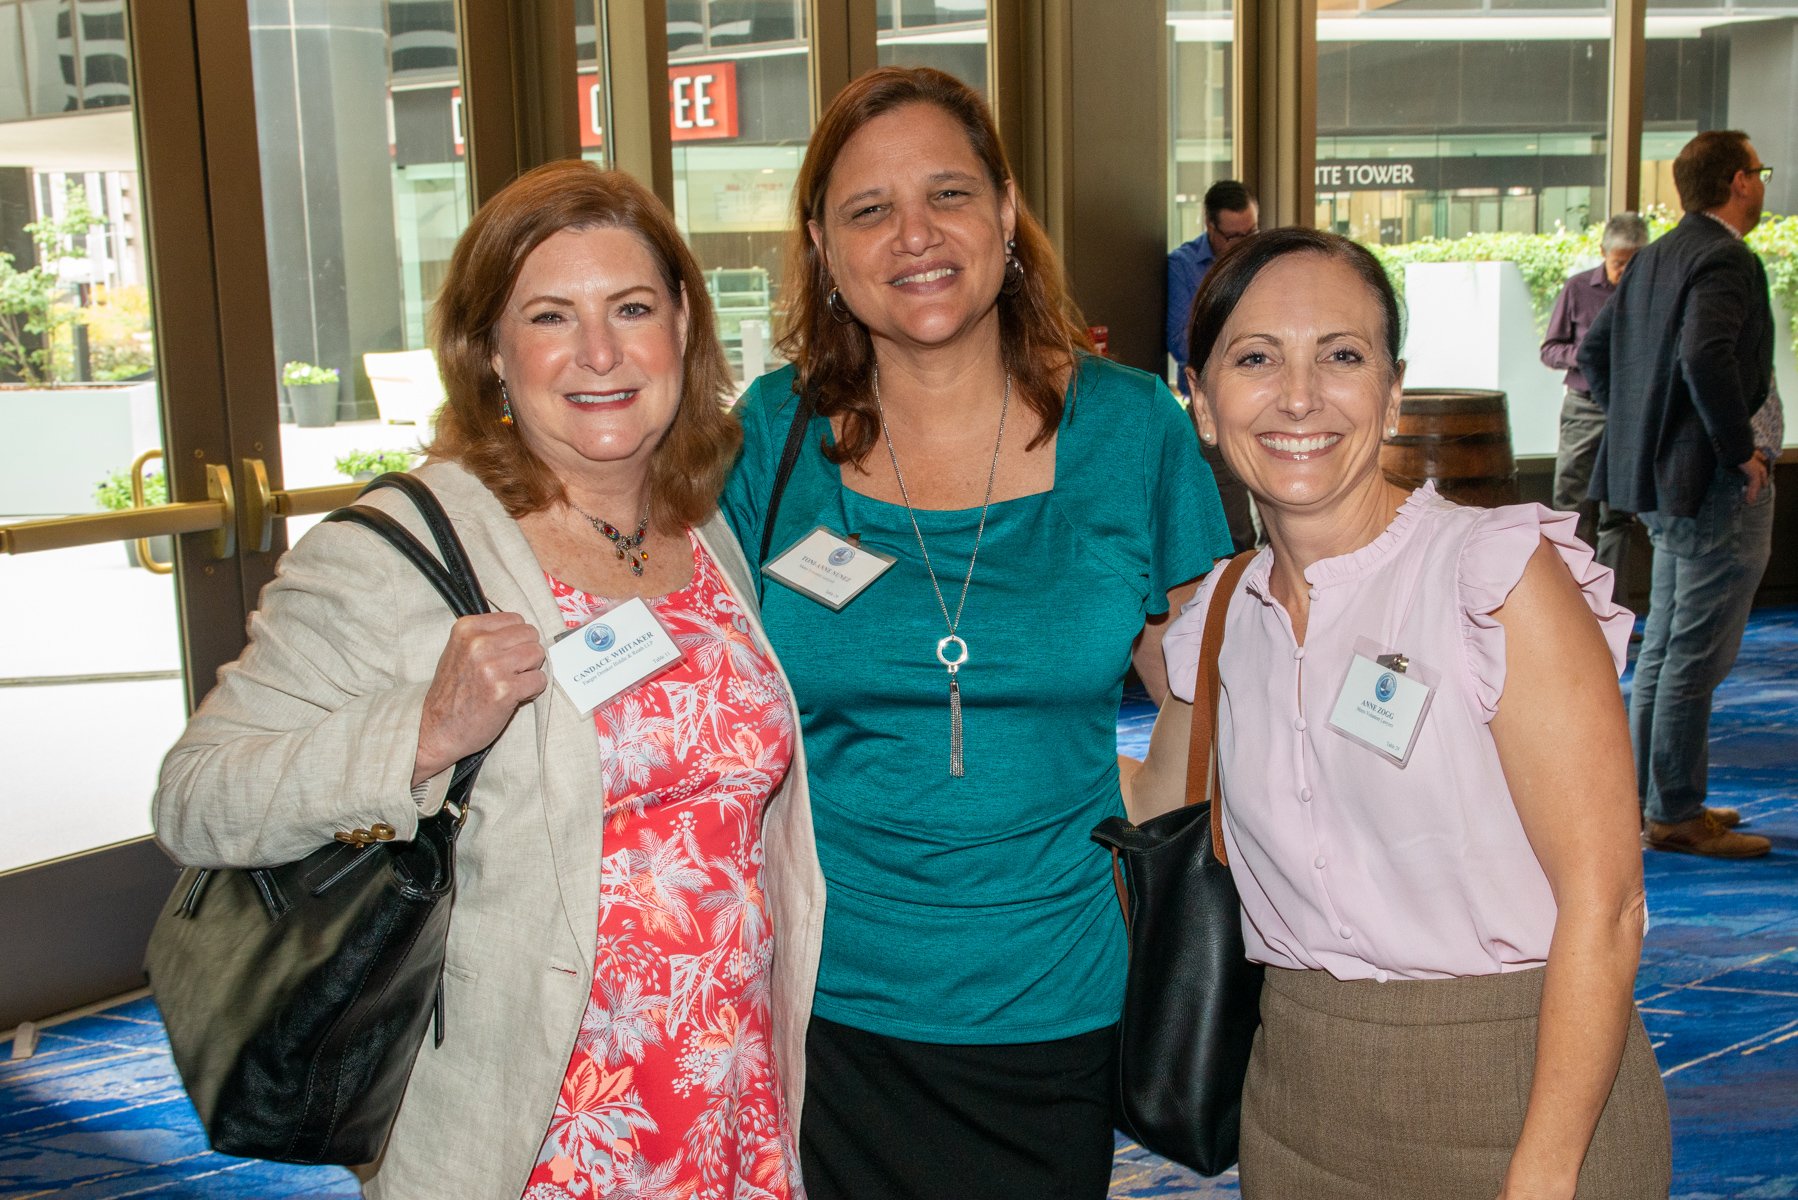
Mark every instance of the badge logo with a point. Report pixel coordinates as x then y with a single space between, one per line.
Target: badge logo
1385 688
600 637
841 555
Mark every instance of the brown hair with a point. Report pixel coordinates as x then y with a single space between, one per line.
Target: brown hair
1228 281
687 470
1707 165
1040 328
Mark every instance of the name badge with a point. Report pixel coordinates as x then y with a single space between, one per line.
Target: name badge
827 568
1383 701
613 652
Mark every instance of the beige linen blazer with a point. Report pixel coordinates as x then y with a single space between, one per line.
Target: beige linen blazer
314 730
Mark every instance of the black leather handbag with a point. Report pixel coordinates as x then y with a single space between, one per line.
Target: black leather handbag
296 997
1192 999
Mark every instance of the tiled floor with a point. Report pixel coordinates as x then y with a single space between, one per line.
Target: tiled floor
97 1112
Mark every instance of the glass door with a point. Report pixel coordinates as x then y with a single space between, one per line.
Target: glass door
194 194
92 678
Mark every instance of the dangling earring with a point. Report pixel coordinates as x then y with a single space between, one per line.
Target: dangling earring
505 404
839 311
1014 270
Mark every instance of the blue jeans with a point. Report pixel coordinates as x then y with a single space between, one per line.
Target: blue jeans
1706 568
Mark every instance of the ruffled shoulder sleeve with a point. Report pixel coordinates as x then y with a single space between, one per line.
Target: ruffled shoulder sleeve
1492 561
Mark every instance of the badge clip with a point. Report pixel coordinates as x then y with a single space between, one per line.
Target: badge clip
1394 662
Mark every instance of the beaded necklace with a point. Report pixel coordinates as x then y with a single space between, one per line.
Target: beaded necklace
628 545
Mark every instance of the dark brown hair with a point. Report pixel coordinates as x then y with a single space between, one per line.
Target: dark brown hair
1226 195
687 470
1040 328
1707 165
1229 278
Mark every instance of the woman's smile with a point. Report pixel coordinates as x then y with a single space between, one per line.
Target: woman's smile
1298 447
919 279
590 399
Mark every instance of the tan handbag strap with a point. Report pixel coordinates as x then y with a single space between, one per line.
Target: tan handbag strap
1201 759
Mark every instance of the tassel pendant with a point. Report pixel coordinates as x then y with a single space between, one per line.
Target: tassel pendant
952 665
955 765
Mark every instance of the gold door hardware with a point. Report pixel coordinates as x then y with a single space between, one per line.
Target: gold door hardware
262 503
218 515
144 557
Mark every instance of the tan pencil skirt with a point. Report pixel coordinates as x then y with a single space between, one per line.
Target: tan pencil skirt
1417 1088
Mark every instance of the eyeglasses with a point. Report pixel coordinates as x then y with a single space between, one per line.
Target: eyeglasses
1766 173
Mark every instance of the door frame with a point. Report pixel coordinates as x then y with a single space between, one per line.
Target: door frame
73 930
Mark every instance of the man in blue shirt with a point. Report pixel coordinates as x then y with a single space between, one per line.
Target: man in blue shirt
1231 215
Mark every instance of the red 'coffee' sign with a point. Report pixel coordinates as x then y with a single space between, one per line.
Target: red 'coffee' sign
702 101
702 104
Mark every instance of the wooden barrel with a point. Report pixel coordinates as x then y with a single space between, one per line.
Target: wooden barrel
1461 439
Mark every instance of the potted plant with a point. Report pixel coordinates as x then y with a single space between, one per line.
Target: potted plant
312 391
114 494
364 465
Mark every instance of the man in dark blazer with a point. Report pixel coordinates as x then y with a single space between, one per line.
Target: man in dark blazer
1680 359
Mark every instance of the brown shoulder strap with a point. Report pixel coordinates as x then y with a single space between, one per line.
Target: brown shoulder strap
1201 759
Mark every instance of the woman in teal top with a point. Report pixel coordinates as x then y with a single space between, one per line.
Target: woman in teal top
1040 507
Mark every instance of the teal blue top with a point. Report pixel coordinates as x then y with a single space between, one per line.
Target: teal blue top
978 910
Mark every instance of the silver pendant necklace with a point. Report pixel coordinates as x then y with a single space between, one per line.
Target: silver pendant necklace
951 651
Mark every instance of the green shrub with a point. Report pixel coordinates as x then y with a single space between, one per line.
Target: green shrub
1775 239
299 374
1546 259
114 492
375 462
33 312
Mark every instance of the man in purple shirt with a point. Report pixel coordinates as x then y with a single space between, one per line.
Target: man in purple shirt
1582 421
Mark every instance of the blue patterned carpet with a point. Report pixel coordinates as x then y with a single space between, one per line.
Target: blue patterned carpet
98 1112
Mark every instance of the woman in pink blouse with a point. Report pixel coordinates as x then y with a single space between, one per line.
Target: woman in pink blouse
1429 812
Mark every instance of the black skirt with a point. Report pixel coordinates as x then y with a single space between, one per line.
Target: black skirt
887 1118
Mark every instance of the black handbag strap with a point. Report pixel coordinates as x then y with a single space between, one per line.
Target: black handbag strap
443 531
1202 781
789 454
453 577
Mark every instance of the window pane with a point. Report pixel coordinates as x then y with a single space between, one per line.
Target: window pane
1484 122
1713 69
364 192
950 35
1200 33
593 97
1199 81
83 631
739 110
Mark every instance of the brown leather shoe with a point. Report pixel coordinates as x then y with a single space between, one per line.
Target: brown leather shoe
1729 818
1707 835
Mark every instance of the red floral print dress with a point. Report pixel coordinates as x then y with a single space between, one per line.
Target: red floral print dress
672 1091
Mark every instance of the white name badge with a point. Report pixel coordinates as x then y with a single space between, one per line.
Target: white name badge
827 568
1383 701
614 651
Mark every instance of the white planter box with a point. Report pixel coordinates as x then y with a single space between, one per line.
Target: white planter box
1470 325
61 442
1785 368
